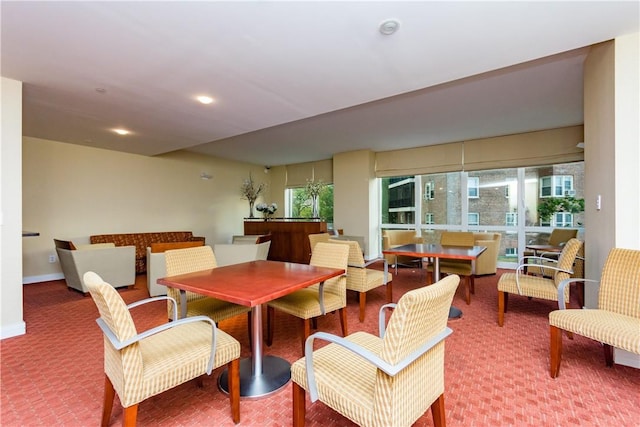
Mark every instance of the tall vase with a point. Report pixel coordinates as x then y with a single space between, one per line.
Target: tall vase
251 202
315 206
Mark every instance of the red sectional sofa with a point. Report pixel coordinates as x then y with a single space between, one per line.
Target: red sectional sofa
143 240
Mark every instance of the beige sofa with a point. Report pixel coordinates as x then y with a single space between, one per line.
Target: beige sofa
116 265
157 266
487 262
241 252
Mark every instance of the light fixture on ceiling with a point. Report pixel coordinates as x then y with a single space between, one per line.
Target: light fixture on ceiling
266 169
203 99
389 27
121 131
205 176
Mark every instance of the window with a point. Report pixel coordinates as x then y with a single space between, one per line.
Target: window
473 187
556 186
429 190
511 219
511 252
299 206
563 219
428 218
473 218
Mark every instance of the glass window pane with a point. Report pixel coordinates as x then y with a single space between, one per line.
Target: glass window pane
495 201
398 200
444 203
540 209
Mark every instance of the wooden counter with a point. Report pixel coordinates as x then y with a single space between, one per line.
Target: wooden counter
290 238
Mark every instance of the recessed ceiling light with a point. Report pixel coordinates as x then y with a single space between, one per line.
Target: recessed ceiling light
389 27
121 131
204 99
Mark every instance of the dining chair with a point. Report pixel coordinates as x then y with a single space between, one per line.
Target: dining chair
558 238
390 380
540 287
616 321
317 238
361 279
463 268
316 300
140 365
182 261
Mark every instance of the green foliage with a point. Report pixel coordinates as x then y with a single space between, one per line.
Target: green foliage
301 206
551 205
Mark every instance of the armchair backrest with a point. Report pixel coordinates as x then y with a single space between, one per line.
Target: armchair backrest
317 238
620 283
457 238
419 316
399 237
125 364
182 261
330 255
566 260
560 236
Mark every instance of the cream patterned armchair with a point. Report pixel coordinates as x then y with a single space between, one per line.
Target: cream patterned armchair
536 286
182 261
362 279
390 380
140 365
616 321
462 268
487 262
115 264
316 300
395 238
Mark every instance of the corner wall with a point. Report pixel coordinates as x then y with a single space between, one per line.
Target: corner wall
11 313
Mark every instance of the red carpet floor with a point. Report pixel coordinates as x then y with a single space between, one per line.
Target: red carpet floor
495 376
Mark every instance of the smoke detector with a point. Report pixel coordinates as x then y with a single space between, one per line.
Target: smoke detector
389 27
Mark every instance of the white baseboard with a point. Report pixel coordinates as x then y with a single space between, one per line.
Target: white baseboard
622 357
13 330
43 278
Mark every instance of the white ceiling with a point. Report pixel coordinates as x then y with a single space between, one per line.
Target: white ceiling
299 81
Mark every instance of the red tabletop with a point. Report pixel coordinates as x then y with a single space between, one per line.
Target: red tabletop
430 250
251 283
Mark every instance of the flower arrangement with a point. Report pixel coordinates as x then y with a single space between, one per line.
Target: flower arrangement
251 192
267 210
313 189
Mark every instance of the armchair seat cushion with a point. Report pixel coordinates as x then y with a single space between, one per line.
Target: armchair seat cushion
304 303
531 286
618 330
337 384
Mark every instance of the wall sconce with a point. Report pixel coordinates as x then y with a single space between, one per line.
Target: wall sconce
205 176
266 169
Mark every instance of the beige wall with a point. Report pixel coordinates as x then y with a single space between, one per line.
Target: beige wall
71 191
356 209
11 317
611 111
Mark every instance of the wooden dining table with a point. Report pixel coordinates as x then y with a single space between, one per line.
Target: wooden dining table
252 284
435 252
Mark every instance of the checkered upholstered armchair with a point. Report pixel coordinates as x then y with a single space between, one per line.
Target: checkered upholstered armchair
389 380
316 300
317 238
182 261
536 286
616 321
140 365
362 279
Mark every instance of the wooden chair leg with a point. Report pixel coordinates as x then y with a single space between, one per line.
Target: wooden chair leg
473 284
199 382
555 350
109 393
306 331
314 323
343 321
608 355
389 292
501 307
130 416
437 412
234 389
363 302
271 312
298 405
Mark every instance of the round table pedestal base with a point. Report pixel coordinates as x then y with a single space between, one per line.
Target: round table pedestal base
276 373
455 313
